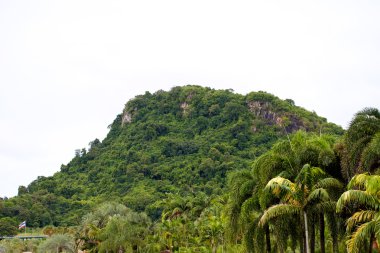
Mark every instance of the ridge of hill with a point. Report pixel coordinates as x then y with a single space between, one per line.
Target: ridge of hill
183 141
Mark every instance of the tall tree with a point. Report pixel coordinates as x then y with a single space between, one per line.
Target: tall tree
243 212
124 233
210 227
299 197
286 158
95 221
359 149
362 199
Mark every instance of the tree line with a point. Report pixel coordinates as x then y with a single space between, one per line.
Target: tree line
308 193
202 170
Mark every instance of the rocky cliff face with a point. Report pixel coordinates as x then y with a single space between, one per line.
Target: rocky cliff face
127 118
262 110
272 115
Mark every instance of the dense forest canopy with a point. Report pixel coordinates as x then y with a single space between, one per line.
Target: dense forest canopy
195 169
183 141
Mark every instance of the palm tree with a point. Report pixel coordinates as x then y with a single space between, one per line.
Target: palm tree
298 198
286 158
324 208
115 236
210 227
362 197
243 211
113 226
58 243
359 149
99 217
177 219
370 158
94 222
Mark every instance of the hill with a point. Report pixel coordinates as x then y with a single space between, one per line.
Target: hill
183 141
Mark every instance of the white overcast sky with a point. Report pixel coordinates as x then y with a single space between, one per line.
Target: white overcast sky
68 67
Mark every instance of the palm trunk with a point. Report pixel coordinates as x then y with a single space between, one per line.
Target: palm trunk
371 238
302 241
306 233
213 245
335 243
322 232
334 231
312 237
267 238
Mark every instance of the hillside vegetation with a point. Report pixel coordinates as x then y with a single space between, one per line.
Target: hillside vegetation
183 141
200 170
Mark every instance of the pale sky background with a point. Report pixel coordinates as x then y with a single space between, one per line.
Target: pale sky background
68 67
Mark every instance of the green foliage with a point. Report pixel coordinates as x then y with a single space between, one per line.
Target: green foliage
359 148
185 140
8 226
17 245
172 161
58 243
173 175
270 201
302 199
363 226
125 232
287 157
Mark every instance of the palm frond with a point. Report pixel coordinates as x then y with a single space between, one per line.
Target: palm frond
329 183
370 157
357 197
248 208
360 236
373 185
280 186
318 195
247 188
358 218
309 175
325 207
267 166
358 181
277 211
240 184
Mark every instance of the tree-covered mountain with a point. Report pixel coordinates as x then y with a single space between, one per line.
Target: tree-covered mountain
184 141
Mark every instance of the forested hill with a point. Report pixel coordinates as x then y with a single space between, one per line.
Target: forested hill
183 141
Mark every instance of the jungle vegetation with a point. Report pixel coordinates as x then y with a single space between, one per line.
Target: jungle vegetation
195 169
